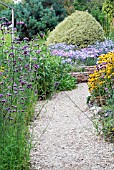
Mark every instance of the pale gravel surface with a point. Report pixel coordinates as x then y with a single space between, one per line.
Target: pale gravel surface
64 137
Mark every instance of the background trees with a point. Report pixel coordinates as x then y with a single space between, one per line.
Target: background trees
43 15
38 16
92 6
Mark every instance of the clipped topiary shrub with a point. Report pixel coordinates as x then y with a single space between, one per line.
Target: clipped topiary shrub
80 29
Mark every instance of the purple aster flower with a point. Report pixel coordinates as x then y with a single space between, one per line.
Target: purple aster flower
15 89
34 58
9 23
63 61
29 86
2 39
26 66
42 35
16 71
38 51
7 108
11 54
17 39
15 92
24 47
22 83
20 23
4 101
15 85
14 106
9 87
22 103
25 52
9 94
1 95
36 66
20 59
14 110
26 39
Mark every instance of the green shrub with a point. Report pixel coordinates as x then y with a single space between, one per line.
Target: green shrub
80 29
53 75
67 82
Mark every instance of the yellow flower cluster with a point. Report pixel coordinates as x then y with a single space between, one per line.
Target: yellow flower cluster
2 71
104 71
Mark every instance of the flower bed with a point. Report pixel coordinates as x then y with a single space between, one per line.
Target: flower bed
101 82
88 55
101 87
28 73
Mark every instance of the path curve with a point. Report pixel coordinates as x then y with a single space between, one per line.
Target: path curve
69 141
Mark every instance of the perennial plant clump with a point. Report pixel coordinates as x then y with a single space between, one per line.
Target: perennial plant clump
28 73
101 82
101 87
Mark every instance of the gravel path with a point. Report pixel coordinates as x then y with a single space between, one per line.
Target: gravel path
64 137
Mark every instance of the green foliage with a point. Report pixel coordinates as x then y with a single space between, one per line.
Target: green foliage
80 29
7 38
108 8
94 7
57 6
2 7
80 4
68 4
89 61
14 147
38 16
67 82
111 35
54 76
104 123
27 73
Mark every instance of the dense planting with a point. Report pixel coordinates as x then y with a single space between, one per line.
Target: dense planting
87 55
28 73
101 87
101 81
80 29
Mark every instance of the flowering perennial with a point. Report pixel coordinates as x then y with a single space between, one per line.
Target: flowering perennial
101 81
71 51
